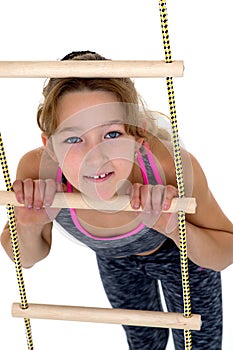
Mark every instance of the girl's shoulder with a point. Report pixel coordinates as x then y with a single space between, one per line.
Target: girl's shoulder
162 151
36 164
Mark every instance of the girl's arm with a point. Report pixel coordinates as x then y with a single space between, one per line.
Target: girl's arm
34 242
209 231
33 222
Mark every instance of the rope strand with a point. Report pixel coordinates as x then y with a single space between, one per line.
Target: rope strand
179 173
15 245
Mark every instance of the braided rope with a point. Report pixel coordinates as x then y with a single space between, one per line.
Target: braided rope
179 173
15 245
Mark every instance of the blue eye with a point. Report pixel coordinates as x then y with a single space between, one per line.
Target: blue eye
73 139
113 135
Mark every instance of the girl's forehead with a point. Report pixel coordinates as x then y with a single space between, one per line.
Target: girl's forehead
92 117
74 102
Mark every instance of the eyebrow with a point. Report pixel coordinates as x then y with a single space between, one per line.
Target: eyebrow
75 128
68 128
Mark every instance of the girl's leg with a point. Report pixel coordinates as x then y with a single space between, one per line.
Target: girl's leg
206 295
128 287
206 300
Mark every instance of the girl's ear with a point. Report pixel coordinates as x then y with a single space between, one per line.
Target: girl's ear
47 142
44 139
140 141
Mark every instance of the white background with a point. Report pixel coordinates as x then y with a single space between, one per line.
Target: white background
200 33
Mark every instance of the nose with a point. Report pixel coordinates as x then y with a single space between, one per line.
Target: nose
96 157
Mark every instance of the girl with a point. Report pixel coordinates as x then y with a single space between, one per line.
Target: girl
99 140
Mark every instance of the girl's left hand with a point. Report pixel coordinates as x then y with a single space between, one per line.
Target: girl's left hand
154 200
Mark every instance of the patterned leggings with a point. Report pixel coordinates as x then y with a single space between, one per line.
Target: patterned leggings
132 282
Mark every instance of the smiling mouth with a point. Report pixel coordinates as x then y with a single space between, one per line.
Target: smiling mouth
100 177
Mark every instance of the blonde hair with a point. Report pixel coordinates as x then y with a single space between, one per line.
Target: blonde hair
140 122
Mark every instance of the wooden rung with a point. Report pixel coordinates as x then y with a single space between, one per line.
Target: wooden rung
90 69
120 203
104 315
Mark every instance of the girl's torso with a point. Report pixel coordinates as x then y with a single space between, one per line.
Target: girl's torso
119 233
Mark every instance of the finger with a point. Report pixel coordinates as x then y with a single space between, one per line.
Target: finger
152 206
135 196
146 198
147 216
28 188
39 190
18 190
50 189
157 198
170 192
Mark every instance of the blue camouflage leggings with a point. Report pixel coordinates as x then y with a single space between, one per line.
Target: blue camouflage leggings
132 283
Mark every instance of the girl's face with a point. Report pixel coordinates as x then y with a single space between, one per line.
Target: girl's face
91 145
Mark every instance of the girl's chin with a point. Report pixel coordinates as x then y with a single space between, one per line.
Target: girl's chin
98 196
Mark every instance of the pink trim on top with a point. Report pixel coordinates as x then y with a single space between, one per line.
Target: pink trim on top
82 229
88 234
59 175
142 168
146 181
153 164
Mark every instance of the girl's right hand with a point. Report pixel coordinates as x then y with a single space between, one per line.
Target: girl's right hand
37 197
